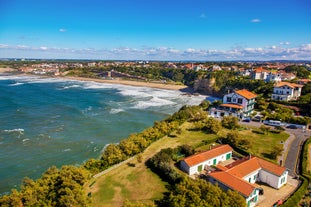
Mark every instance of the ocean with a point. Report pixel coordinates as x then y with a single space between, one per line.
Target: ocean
50 121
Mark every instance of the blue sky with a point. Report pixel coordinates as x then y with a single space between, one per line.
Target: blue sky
156 29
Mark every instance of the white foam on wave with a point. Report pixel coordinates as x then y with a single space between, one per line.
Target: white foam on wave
95 85
25 140
154 102
115 111
16 84
67 150
72 86
14 130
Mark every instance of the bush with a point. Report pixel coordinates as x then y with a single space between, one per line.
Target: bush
230 122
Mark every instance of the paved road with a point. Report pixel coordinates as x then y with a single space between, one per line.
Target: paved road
292 159
291 148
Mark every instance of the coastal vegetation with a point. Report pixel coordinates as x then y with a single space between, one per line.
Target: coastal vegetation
153 177
180 132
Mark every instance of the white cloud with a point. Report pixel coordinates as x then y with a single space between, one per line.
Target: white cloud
302 52
255 20
284 43
62 30
4 46
43 48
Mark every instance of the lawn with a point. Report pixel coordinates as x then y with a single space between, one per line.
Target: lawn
135 182
263 143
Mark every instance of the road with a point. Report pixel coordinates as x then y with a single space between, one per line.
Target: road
292 146
292 159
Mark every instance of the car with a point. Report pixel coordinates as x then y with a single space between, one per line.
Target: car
292 127
246 120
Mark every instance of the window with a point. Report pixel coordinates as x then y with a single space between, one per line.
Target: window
234 100
228 99
255 176
249 179
240 101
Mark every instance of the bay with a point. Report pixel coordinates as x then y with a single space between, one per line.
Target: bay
50 121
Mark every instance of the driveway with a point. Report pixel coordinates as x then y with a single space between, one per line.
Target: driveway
281 194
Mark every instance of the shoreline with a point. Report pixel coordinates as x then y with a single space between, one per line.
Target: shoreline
130 83
165 86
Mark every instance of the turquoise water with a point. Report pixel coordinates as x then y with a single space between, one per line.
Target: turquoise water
45 122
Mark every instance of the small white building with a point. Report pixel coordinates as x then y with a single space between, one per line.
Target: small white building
241 176
274 77
198 162
259 74
240 103
285 91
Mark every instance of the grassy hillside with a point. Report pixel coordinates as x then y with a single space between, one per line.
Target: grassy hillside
135 182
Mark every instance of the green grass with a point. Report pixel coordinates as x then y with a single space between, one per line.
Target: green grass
135 182
263 143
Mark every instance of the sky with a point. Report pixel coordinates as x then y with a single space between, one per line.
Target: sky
204 30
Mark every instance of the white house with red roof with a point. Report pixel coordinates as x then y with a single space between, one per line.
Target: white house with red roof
285 91
198 162
242 176
240 103
259 74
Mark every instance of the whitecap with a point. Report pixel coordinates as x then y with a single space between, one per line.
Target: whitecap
72 86
16 84
25 140
14 130
115 111
155 101
67 150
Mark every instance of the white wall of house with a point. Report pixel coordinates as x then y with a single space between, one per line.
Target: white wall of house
252 200
285 93
252 177
235 99
220 113
195 169
273 180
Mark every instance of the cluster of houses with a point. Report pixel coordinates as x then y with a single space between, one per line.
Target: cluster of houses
239 175
240 103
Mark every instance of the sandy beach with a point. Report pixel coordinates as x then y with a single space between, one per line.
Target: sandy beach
7 70
166 86
130 83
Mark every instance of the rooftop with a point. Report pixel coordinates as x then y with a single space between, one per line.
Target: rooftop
206 155
246 94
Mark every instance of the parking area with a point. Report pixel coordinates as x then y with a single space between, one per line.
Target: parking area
272 195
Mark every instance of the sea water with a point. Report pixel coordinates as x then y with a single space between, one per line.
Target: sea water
49 121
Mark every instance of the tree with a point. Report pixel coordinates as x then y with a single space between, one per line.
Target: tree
187 150
205 104
230 122
112 155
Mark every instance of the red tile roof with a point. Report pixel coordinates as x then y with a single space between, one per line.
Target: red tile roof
245 168
271 167
235 106
248 166
233 182
261 70
246 94
232 175
292 85
203 156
